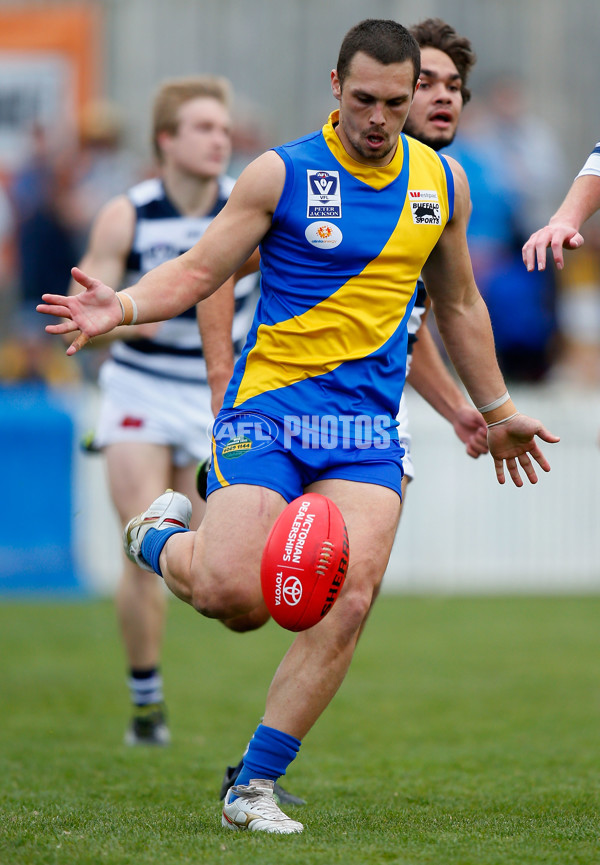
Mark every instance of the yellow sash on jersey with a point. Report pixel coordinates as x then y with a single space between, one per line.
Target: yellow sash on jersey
363 313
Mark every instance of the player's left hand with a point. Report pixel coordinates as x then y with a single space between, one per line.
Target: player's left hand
514 443
471 429
91 312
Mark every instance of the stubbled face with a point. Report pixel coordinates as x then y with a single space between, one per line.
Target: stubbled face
374 104
201 146
436 108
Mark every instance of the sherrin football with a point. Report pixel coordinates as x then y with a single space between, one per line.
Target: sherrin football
304 562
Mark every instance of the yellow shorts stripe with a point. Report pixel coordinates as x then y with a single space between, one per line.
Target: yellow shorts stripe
215 462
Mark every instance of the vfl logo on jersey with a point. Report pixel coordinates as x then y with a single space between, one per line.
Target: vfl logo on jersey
425 207
324 198
323 234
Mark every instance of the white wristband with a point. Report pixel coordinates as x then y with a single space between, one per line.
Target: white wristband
496 404
129 308
504 420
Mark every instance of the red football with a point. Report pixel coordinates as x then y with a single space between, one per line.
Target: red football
304 562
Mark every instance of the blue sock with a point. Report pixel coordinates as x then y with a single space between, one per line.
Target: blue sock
269 754
153 543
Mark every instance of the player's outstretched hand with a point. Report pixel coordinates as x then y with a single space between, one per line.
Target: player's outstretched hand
92 312
471 429
514 442
557 236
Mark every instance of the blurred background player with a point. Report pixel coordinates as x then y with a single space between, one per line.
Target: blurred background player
580 319
157 405
446 60
563 229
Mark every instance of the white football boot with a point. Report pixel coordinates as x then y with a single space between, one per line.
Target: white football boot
256 809
170 509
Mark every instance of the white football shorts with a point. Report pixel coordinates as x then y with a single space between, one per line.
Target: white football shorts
140 407
405 439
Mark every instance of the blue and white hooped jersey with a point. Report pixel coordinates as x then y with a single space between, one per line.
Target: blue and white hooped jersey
592 164
339 270
162 233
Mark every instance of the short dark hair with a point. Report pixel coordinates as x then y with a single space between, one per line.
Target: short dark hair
435 33
383 40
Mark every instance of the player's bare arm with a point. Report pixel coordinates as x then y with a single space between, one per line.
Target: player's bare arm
228 242
215 322
562 231
250 266
464 325
430 377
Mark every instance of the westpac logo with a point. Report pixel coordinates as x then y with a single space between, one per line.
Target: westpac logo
423 194
324 195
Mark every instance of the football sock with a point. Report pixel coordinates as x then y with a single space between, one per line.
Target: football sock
153 543
145 686
269 753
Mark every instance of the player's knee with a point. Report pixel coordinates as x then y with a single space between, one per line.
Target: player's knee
250 622
354 605
217 597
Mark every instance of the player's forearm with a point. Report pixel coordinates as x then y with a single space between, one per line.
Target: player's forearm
582 200
173 287
215 320
467 335
430 377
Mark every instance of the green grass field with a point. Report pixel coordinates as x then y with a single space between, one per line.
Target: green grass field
468 731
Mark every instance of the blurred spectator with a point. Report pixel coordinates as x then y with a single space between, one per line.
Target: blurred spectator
104 166
44 252
44 238
522 308
513 163
532 157
7 225
54 196
579 313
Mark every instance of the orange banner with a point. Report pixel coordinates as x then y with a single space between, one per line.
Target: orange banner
50 64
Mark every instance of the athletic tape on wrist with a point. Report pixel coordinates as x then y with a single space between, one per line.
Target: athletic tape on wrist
504 420
496 404
129 307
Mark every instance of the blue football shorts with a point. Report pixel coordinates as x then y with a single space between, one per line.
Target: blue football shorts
252 448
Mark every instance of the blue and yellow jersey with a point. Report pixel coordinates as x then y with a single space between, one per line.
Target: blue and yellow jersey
339 268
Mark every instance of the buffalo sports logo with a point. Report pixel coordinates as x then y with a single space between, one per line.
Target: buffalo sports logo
324 196
425 207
